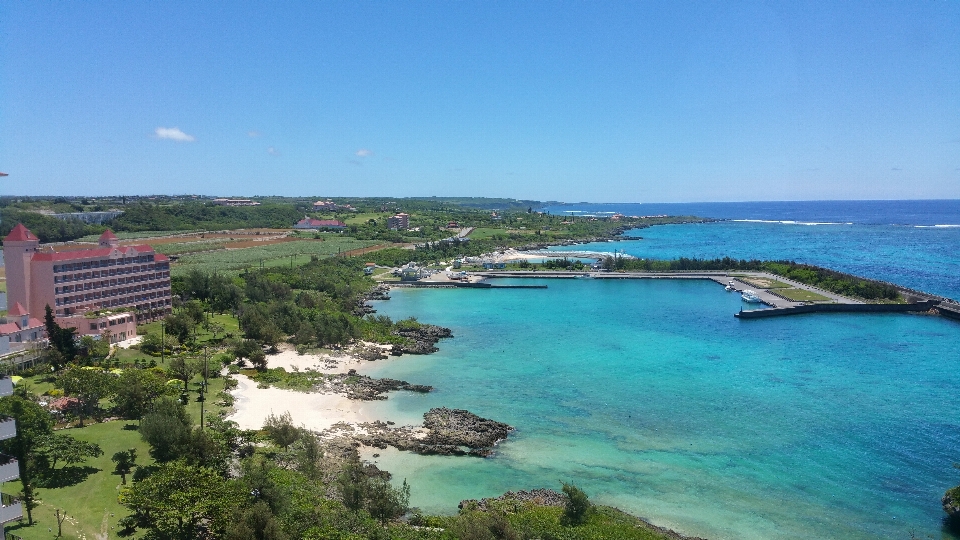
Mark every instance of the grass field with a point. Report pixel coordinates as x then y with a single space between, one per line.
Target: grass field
802 295
229 323
765 283
234 260
91 504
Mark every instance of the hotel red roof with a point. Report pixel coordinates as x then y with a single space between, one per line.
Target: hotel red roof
98 252
13 327
17 310
108 235
20 234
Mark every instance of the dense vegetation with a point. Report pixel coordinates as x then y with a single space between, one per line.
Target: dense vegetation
829 280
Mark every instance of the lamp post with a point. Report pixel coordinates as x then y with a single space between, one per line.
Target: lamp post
203 385
162 340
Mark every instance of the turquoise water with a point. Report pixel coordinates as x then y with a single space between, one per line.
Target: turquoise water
652 397
921 257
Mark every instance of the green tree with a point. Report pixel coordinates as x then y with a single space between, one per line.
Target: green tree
167 429
89 386
254 523
33 424
61 339
281 429
61 448
94 348
385 502
126 460
184 369
180 501
137 390
576 510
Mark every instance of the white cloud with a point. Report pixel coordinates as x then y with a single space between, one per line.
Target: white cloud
174 134
273 151
363 152
253 134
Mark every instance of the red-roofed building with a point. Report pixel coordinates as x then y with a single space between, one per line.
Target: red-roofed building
310 223
18 327
109 278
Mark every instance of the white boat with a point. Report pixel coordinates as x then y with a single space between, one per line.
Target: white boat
730 286
750 296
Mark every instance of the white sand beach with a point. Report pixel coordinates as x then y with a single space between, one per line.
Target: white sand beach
313 411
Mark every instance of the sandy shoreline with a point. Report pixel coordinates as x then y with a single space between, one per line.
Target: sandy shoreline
314 411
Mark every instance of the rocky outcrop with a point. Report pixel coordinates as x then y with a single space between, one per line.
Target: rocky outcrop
538 497
420 340
448 432
367 352
380 292
364 388
951 504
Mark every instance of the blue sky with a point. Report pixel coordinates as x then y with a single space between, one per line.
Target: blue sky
573 101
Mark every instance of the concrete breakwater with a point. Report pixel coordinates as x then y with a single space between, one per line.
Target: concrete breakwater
925 305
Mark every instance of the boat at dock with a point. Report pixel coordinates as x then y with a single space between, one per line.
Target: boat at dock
750 296
730 287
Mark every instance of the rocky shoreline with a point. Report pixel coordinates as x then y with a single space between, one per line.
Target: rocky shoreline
445 432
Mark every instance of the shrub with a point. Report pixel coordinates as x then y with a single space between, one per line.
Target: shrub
577 508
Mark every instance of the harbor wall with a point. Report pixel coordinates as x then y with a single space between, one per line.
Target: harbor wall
926 305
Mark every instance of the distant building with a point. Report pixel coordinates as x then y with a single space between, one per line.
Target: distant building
399 222
18 328
133 279
453 225
308 223
369 268
235 202
330 206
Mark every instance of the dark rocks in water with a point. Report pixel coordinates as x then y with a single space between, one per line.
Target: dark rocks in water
538 497
457 427
366 388
951 505
448 432
420 340
380 292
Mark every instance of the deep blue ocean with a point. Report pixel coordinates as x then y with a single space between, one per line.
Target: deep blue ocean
652 397
911 243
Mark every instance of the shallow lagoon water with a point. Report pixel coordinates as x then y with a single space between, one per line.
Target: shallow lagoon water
652 397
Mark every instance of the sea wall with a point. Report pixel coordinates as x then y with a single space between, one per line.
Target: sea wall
926 305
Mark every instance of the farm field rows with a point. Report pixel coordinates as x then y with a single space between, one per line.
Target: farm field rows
233 260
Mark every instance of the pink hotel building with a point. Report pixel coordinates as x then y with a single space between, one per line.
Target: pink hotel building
108 288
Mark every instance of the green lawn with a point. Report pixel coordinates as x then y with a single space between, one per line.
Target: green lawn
801 295
234 260
230 326
92 504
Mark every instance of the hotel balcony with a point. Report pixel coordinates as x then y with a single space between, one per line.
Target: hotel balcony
8 428
9 468
11 509
6 386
